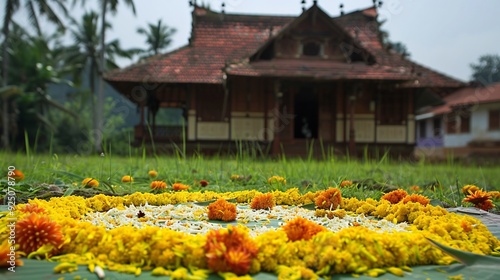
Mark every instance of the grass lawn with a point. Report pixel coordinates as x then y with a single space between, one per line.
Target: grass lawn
71 177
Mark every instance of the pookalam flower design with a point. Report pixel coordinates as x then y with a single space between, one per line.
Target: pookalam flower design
395 196
302 229
35 231
230 250
263 201
90 182
222 210
329 199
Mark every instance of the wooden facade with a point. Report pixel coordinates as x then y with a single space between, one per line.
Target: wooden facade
286 84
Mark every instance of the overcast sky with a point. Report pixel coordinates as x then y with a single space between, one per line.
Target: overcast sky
445 35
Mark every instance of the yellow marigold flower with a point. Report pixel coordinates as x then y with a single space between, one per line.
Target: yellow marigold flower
469 189
153 173
494 194
158 185
417 198
127 179
222 210
263 201
395 196
301 229
276 180
345 183
415 188
90 182
180 187
16 174
329 199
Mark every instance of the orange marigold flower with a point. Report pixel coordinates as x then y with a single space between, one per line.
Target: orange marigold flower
345 183
230 250
480 199
301 229
276 180
203 183
415 188
466 225
222 210
9 257
127 179
153 173
263 201
37 230
417 198
16 174
158 185
32 208
469 189
395 196
329 199
90 182
180 187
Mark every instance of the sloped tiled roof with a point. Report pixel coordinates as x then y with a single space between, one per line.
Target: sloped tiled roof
467 96
228 40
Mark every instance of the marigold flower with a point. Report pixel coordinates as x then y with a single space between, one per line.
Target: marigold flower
127 179
90 182
8 257
395 196
301 229
158 185
415 188
263 201
222 210
417 198
203 183
276 180
180 187
230 250
329 199
345 183
469 189
31 208
480 199
35 231
153 173
16 174
494 194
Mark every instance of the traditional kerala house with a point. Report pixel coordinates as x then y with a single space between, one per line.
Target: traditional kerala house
282 83
466 124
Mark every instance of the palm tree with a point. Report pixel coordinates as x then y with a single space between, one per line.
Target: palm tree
35 9
158 37
113 7
85 53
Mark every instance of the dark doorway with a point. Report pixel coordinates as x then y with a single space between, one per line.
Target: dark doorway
306 113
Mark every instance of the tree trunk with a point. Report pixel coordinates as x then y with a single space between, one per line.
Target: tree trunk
5 77
100 93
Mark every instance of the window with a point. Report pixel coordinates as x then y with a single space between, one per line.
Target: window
451 123
436 127
494 119
465 122
392 108
311 49
421 129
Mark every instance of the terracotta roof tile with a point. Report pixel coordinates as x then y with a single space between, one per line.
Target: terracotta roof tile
218 40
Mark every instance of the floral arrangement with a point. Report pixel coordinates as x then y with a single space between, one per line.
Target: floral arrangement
59 230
